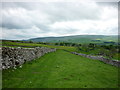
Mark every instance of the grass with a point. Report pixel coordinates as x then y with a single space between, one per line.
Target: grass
68 48
7 43
62 69
116 56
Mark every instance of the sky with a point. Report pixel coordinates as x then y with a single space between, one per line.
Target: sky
24 20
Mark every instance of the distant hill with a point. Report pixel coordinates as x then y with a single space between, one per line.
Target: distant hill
78 39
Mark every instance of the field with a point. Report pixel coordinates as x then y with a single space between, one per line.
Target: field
59 44
108 53
59 69
63 70
29 45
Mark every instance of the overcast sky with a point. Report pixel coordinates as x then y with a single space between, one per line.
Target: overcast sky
24 20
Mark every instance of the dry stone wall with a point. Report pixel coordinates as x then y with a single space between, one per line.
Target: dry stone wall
101 58
12 57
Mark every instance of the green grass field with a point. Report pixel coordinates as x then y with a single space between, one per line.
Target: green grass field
7 43
96 51
62 69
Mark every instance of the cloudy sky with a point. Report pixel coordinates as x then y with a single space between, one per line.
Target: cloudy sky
24 20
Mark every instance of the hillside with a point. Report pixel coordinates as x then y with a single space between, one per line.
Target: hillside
78 39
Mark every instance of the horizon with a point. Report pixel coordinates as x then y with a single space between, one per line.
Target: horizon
58 37
25 20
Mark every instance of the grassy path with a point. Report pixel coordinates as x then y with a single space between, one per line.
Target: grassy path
61 69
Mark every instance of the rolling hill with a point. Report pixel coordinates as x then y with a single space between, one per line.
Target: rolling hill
78 39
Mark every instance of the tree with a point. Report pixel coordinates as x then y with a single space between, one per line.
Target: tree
30 41
56 43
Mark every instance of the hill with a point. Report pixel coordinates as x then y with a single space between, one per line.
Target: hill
78 39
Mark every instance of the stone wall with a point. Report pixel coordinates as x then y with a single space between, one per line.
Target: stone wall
12 57
101 58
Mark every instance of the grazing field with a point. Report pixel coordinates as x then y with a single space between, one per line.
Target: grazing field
100 51
28 45
62 69
59 44
108 51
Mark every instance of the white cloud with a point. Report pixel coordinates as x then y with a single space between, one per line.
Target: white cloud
109 12
28 20
88 26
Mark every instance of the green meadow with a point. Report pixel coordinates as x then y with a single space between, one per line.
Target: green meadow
14 44
59 69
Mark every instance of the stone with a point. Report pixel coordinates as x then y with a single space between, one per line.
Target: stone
12 57
101 58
